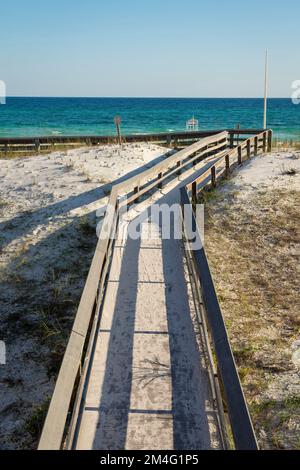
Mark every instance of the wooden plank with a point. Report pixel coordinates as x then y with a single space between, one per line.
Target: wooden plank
54 426
213 176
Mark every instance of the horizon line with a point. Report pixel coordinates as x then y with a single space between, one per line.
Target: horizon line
156 97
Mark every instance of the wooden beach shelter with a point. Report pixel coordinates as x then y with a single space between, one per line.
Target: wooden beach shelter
192 124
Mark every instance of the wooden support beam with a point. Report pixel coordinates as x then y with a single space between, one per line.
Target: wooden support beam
255 145
213 177
240 155
270 138
265 136
237 136
37 145
249 148
160 184
194 194
136 191
227 163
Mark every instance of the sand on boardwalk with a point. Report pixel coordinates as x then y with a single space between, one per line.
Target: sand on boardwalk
47 239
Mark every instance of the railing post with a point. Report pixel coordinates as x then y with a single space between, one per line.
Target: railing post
239 154
265 142
238 135
227 163
270 138
194 195
160 183
179 170
255 145
249 148
136 191
37 145
213 176
231 141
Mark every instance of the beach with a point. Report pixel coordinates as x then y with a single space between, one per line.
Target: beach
48 212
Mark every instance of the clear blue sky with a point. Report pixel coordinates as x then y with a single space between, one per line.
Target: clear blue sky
198 48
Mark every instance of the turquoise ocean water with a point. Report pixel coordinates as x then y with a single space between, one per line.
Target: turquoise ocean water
22 117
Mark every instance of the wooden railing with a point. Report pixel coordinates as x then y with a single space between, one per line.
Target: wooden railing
241 425
171 139
60 424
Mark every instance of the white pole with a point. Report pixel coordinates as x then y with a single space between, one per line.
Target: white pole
266 92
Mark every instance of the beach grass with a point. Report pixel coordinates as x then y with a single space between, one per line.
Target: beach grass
255 272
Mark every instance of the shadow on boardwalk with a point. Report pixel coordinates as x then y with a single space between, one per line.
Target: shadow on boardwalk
116 390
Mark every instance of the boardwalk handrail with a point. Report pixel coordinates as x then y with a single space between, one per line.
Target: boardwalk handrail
240 420
65 399
74 360
241 425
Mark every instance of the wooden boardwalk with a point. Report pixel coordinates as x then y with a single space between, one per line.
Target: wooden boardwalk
148 387
137 371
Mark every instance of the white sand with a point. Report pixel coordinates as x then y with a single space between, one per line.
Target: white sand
269 172
43 194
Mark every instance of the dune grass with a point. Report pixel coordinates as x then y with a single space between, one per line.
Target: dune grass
252 250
